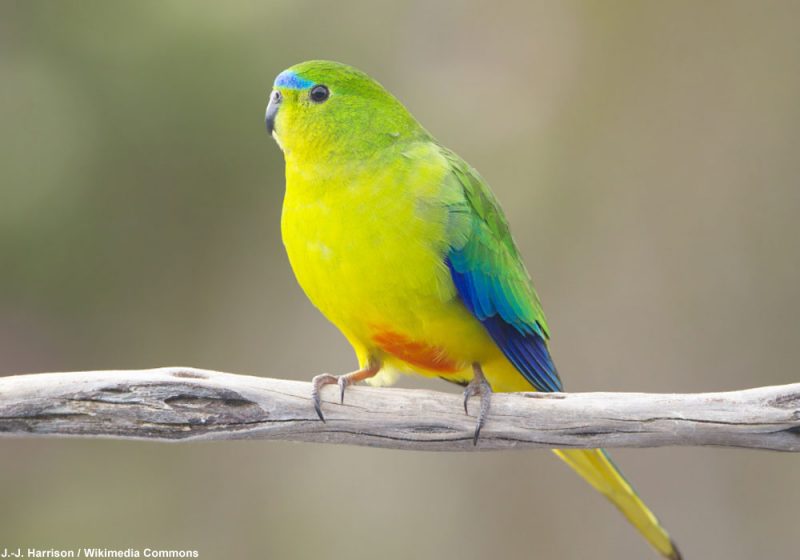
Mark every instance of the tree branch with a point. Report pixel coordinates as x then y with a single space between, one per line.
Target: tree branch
186 404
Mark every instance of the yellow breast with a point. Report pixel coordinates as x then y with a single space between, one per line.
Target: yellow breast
367 247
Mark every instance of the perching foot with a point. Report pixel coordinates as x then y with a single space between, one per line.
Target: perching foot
478 386
342 381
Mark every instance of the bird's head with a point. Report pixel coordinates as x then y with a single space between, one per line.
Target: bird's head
320 108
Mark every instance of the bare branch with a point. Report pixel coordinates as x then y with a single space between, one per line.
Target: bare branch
186 404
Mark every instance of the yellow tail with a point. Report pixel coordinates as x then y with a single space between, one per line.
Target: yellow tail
597 468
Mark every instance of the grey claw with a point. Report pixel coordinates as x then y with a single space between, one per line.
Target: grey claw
478 386
477 434
316 384
318 408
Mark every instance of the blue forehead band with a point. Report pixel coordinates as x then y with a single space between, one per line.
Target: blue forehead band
290 80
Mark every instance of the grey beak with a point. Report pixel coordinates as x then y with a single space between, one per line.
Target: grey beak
272 109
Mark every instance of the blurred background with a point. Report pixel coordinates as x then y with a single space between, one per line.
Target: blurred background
646 154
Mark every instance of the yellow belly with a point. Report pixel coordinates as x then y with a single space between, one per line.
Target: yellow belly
373 264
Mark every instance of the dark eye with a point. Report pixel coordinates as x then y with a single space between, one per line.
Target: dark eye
318 94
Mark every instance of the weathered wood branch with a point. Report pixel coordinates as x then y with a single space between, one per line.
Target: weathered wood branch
186 404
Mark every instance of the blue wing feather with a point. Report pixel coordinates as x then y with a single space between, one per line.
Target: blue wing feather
491 279
524 346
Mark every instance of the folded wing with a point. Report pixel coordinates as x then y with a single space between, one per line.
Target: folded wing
491 279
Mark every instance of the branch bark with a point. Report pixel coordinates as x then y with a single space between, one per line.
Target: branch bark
187 404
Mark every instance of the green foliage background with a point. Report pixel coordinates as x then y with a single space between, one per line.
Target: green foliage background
647 157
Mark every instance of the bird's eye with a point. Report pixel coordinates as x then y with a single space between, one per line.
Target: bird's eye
318 94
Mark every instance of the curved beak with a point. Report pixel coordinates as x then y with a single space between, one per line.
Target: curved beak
275 99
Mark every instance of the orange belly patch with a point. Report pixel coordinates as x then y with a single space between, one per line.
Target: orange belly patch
416 353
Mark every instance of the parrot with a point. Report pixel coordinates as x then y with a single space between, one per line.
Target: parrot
403 246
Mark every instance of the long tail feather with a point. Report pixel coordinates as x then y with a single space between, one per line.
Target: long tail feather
596 467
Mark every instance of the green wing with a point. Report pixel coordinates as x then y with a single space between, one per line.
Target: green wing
491 279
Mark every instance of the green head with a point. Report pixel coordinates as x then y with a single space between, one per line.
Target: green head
321 108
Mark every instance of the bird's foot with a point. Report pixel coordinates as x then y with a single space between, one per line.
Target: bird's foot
478 386
318 383
342 381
